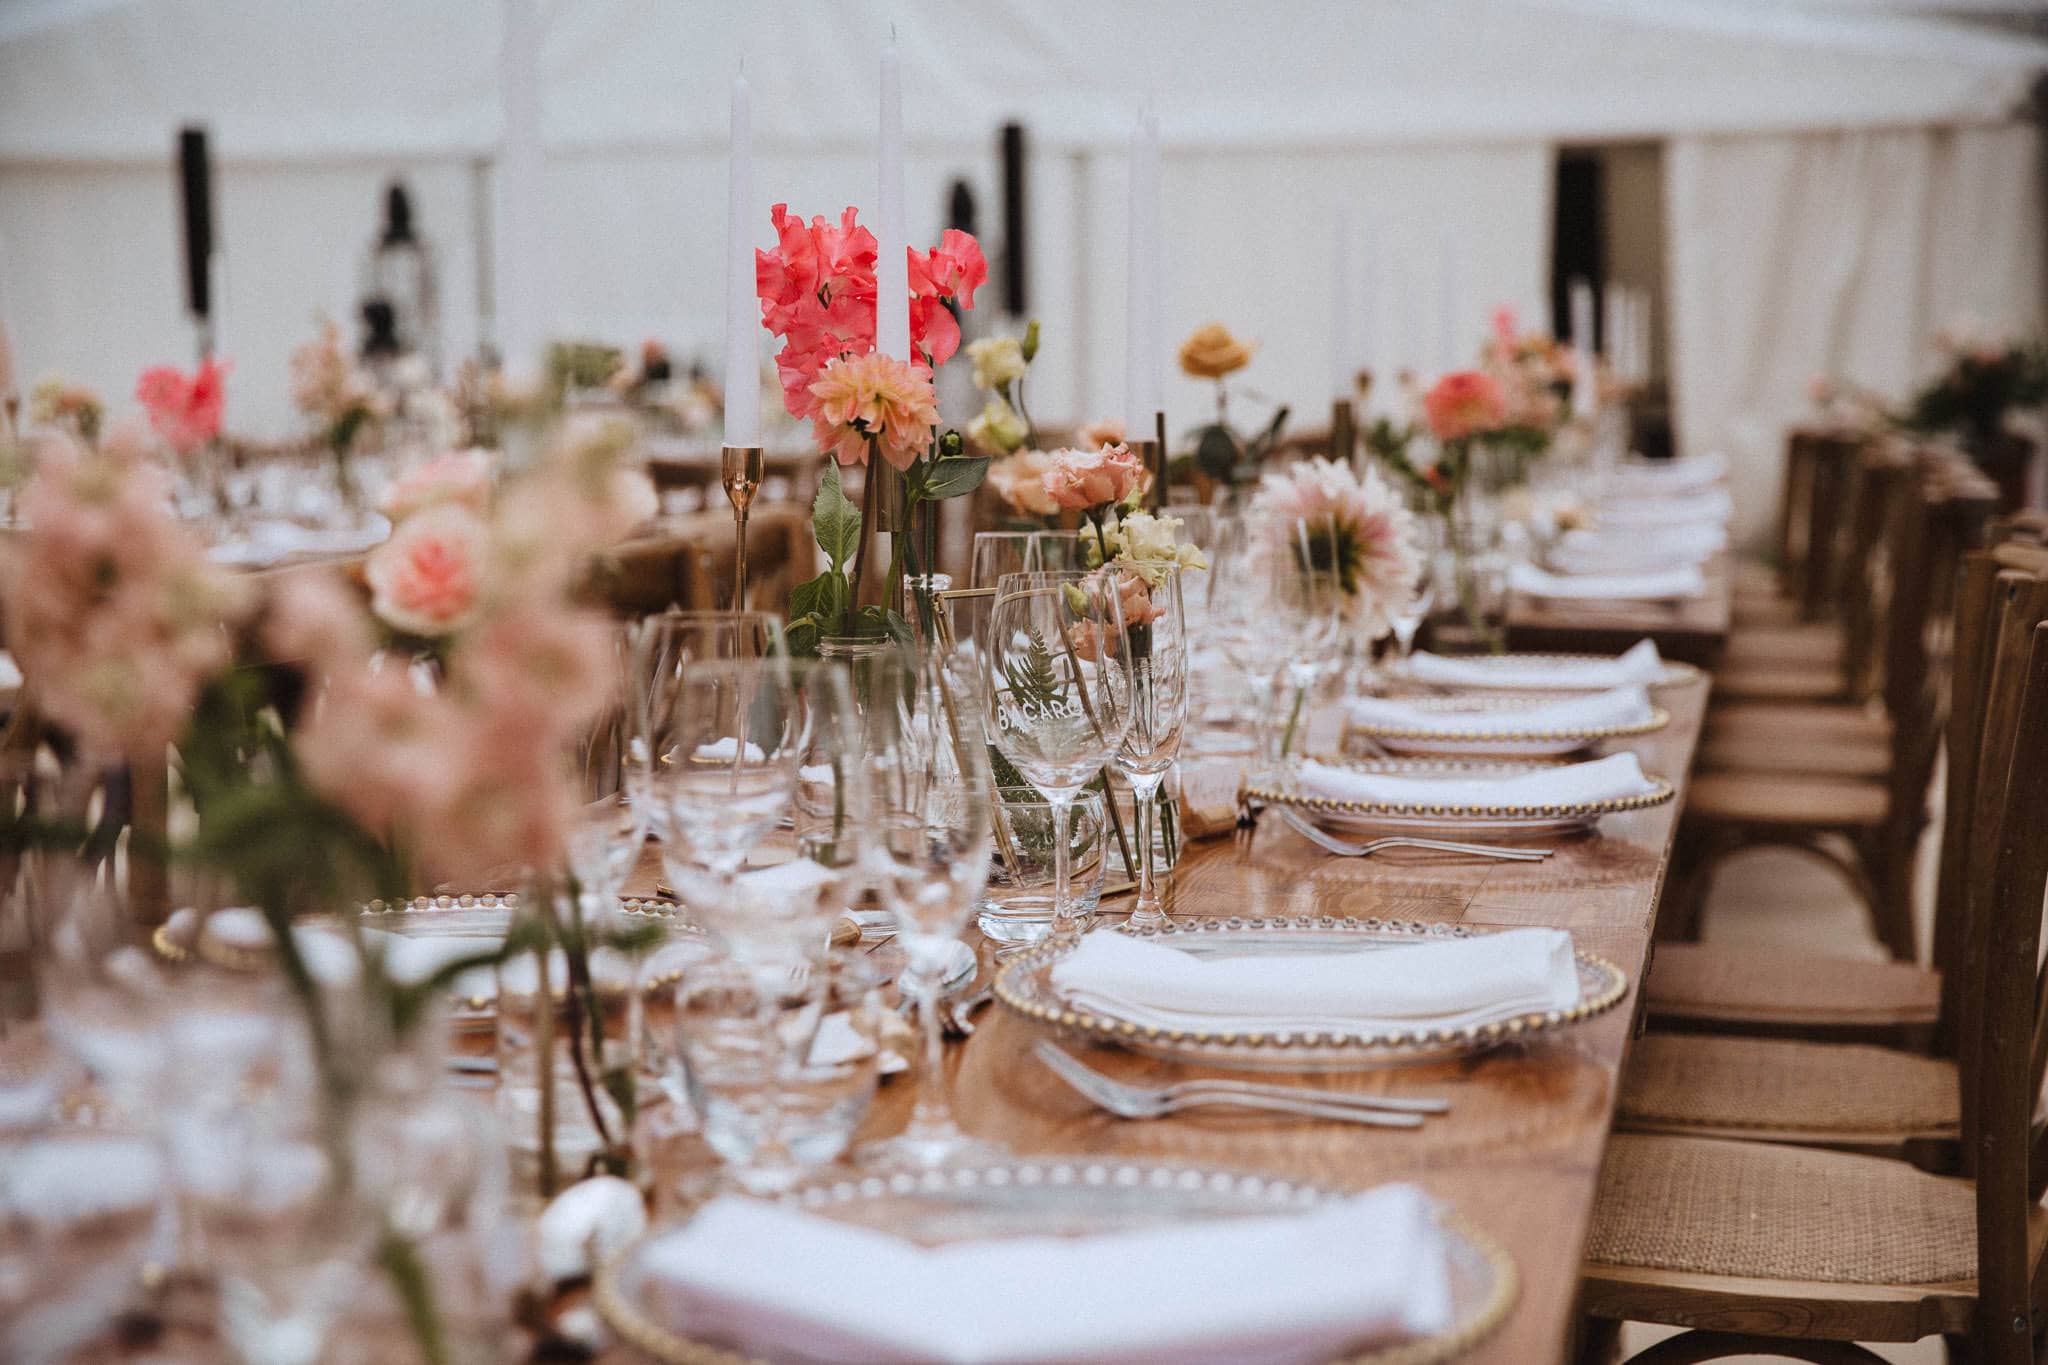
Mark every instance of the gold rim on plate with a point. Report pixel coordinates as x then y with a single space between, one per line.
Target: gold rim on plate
1503 1287
1602 986
1660 792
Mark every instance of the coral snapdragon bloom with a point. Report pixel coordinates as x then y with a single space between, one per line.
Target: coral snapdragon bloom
184 409
1465 403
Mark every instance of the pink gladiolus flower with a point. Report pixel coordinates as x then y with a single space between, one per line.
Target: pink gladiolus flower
875 398
427 579
1080 480
1464 403
954 269
1506 332
462 477
184 410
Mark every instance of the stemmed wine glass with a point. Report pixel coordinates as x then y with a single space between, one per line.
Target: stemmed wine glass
656 653
1406 616
1056 694
1156 626
925 757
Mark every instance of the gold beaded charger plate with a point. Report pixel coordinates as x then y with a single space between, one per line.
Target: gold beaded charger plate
1057 1197
1452 728
1025 986
1457 820
1510 666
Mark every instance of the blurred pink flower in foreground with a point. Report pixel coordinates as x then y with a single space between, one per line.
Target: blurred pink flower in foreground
457 476
113 611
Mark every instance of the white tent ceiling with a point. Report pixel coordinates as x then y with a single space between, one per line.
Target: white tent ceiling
100 79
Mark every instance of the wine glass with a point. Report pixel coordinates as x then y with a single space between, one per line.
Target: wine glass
926 760
1056 693
1307 600
1001 552
747 1083
1156 626
1407 615
655 652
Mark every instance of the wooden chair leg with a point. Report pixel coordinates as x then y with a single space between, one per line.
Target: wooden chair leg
1694 1347
1596 1342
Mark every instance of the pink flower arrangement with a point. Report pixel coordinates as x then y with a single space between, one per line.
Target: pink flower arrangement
112 609
1090 480
427 580
1463 404
874 399
185 410
461 477
1358 528
817 291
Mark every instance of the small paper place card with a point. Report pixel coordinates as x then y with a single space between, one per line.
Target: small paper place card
1208 796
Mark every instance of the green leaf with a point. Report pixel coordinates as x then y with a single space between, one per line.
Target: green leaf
835 520
1216 450
808 598
950 478
402 1265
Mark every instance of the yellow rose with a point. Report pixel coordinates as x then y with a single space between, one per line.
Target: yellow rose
997 362
1213 352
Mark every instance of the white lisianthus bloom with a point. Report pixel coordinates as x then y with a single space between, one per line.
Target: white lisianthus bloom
997 361
1150 544
997 427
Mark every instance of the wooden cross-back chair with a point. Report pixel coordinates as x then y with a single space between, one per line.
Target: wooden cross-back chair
1878 818
1795 1252
1837 1090
1818 466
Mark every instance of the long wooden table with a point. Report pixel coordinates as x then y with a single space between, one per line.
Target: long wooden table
1518 1155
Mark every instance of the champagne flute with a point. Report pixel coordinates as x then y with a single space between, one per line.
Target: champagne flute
1408 615
926 761
1056 694
1156 626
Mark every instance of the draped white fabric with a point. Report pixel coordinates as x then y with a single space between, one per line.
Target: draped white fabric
1436 121
1839 254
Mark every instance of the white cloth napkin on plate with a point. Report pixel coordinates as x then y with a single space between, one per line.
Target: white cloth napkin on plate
1602 779
1684 581
1626 705
1714 505
1610 551
1671 477
1292 1287
1443 983
1641 664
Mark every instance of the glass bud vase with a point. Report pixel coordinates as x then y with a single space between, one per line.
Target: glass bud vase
1471 581
560 1121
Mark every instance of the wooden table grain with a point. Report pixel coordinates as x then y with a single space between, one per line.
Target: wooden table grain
1692 630
1519 1154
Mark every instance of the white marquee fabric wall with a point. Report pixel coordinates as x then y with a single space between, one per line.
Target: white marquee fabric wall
1437 122
1836 254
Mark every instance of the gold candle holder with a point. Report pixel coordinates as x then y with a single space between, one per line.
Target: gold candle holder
1343 431
740 469
1148 452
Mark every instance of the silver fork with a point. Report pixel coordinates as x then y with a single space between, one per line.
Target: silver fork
1308 830
1150 1102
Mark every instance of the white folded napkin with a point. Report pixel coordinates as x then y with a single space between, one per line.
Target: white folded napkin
1684 581
1626 705
1621 551
1713 505
1296 1287
1671 477
1443 983
1601 779
1641 664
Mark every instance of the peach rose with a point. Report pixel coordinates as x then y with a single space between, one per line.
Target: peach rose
1464 403
1019 480
1108 432
1081 479
458 476
427 579
1212 352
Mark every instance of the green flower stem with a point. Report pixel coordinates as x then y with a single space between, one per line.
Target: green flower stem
1293 719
